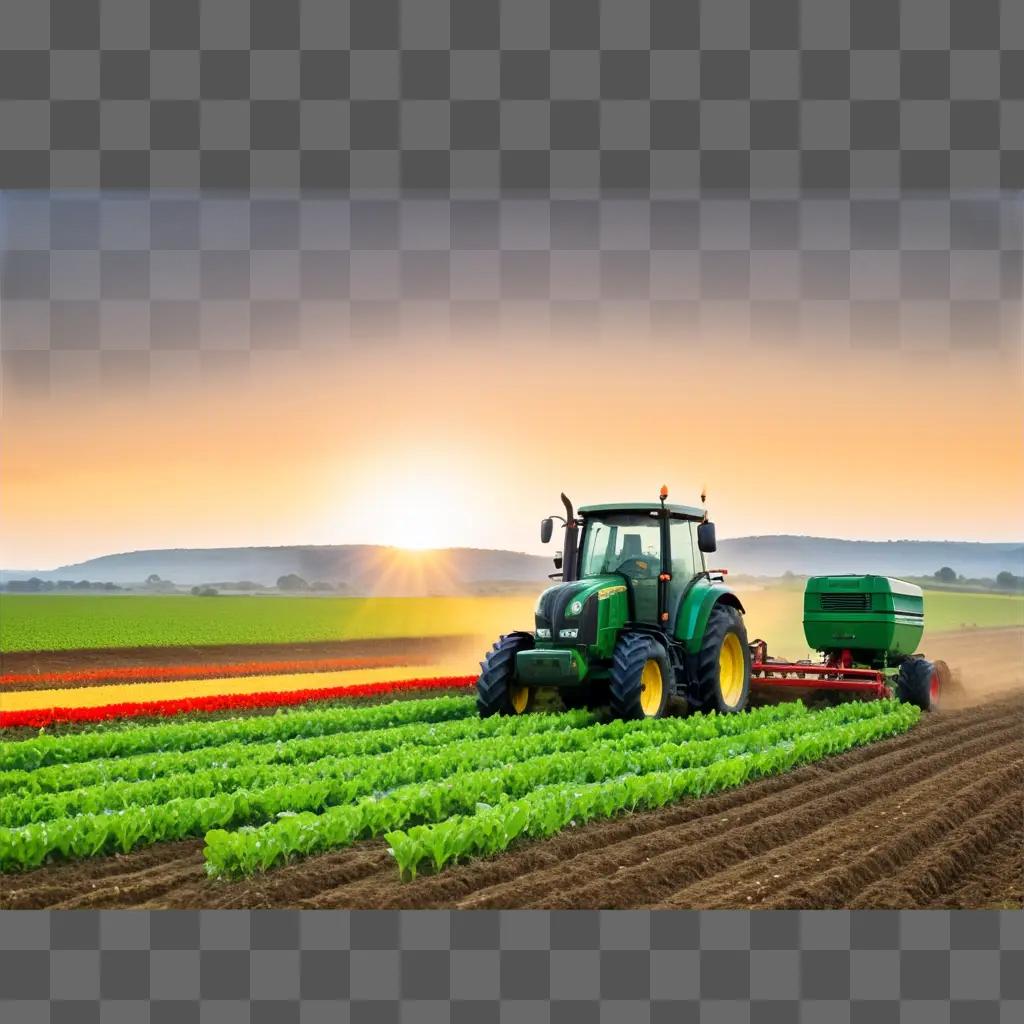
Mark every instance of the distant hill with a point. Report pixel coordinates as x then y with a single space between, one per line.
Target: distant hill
358 568
810 556
365 569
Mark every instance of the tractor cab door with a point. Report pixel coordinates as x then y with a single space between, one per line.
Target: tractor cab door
640 566
687 561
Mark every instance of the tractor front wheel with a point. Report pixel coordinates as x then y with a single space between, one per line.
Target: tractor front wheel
919 682
497 692
720 674
640 680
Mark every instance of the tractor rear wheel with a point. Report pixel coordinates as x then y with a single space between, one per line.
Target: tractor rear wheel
720 673
919 682
496 690
640 680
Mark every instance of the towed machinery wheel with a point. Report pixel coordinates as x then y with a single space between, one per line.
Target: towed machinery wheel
640 680
919 682
720 677
496 689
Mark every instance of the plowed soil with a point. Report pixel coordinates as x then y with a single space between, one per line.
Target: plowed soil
933 818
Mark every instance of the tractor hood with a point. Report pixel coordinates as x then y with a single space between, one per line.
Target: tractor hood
568 612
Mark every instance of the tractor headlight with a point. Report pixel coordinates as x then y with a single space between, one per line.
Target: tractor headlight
543 634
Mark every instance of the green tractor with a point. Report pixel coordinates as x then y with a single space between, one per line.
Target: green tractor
638 621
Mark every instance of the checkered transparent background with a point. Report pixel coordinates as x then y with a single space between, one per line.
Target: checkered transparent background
198 187
531 95
864 967
123 286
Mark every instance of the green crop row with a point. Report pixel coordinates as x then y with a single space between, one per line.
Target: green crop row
59 778
51 750
359 775
378 765
97 828
550 808
345 777
249 850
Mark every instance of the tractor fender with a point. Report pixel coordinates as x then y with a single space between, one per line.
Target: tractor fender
695 610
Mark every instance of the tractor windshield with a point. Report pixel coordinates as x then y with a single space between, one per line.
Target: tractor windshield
623 542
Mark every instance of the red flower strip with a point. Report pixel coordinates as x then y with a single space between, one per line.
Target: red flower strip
147 673
38 718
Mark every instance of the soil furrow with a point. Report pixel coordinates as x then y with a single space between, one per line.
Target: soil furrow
733 825
48 886
828 865
703 849
838 887
996 881
983 852
857 821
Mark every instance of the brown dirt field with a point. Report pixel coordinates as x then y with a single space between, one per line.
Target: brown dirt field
933 818
984 662
403 649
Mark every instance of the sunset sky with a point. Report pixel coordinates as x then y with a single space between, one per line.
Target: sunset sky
449 441
215 370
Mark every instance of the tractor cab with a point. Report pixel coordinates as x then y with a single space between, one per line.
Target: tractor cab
653 549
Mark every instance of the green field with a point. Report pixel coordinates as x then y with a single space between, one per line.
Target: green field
58 622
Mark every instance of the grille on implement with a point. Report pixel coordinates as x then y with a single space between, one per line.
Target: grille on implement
845 602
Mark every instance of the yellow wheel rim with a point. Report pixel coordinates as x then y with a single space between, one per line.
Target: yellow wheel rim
519 698
651 689
730 670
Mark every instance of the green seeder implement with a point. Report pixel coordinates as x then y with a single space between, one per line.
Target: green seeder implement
639 623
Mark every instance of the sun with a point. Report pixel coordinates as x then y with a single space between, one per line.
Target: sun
415 500
423 524
429 507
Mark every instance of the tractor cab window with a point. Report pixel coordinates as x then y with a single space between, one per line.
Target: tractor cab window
628 544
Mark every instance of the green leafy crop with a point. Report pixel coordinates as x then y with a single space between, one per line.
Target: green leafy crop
436 781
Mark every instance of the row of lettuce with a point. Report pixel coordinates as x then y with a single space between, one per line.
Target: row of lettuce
439 783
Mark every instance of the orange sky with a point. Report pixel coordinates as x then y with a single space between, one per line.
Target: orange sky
458 443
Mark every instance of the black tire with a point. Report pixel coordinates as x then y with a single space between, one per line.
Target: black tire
918 683
626 686
704 691
497 676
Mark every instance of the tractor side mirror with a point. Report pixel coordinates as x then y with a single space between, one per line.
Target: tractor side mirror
558 560
546 526
706 538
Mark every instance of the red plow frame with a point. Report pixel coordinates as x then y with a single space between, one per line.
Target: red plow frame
837 673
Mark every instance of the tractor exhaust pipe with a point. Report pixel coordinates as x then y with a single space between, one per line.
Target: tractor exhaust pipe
569 546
